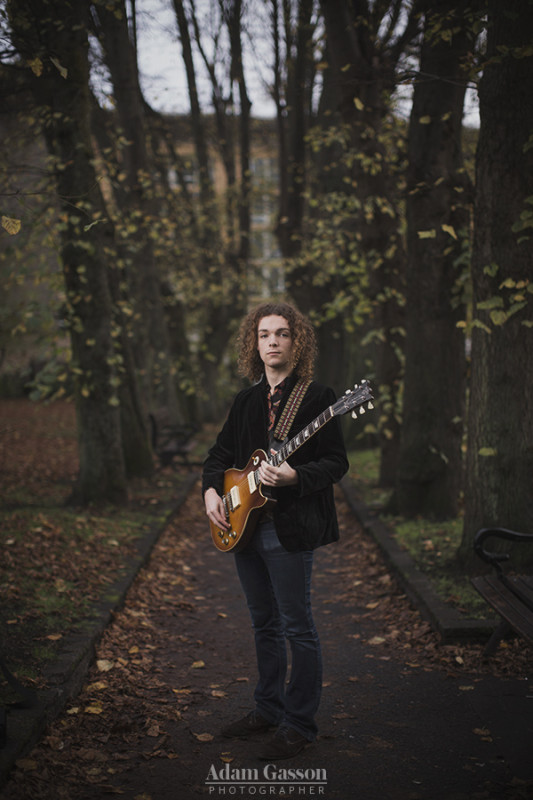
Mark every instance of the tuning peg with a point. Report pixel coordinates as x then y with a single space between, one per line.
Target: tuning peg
354 414
370 404
362 410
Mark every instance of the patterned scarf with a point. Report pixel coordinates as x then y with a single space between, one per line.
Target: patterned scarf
274 398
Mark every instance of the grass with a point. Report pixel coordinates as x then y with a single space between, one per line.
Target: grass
58 565
432 545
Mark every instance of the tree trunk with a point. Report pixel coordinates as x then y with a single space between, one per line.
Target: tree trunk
429 474
500 418
63 90
140 213
293 122
364 60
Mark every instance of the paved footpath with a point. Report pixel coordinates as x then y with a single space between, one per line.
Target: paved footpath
178 662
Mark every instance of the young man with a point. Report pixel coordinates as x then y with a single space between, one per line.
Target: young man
276 349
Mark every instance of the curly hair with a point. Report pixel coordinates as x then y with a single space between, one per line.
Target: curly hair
303 340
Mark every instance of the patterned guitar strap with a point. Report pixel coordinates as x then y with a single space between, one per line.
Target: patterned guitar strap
289 412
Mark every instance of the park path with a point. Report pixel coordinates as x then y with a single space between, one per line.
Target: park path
402 718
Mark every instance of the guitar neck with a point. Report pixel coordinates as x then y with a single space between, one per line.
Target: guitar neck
301 438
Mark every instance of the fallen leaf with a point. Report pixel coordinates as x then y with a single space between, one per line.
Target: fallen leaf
198 665
95 708
204 737
153 729
103 665
26 764
97 686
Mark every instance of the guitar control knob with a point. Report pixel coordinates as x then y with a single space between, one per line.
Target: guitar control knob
221 534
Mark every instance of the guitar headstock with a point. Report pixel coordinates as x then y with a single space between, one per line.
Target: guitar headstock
357 400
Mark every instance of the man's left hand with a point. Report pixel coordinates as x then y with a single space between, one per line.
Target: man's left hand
284 475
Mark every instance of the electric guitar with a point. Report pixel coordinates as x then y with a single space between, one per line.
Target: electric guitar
244 496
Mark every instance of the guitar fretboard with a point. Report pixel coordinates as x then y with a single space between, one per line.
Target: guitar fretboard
301 438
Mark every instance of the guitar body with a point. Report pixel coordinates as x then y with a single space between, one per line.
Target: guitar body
244 500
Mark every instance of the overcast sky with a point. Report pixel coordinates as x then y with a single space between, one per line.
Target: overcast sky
163 77
162 73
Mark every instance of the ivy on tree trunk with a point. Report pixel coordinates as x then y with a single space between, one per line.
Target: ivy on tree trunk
499 464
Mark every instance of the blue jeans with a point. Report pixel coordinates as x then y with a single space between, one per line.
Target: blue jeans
277 585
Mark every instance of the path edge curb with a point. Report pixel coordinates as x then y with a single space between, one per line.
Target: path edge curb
449 623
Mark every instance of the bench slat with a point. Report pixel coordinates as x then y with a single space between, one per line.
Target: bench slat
510 607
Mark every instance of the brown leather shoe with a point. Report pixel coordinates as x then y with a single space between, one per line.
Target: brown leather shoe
286 743
250 725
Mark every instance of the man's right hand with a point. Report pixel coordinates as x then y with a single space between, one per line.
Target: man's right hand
214 508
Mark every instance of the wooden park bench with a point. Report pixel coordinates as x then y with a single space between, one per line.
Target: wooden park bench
509 594
172 441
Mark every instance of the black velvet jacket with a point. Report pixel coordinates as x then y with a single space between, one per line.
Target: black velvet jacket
304 514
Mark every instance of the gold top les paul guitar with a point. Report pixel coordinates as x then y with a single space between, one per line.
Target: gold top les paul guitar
244 496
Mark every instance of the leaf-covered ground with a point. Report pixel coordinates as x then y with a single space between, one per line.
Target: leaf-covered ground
402 715
58 561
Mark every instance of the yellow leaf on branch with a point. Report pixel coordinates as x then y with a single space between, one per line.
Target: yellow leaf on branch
11 225
63 71
36 66
449 229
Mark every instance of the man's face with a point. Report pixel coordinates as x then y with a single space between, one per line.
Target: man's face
274 342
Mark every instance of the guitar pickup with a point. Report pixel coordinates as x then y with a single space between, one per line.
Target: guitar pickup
253 481
234 498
